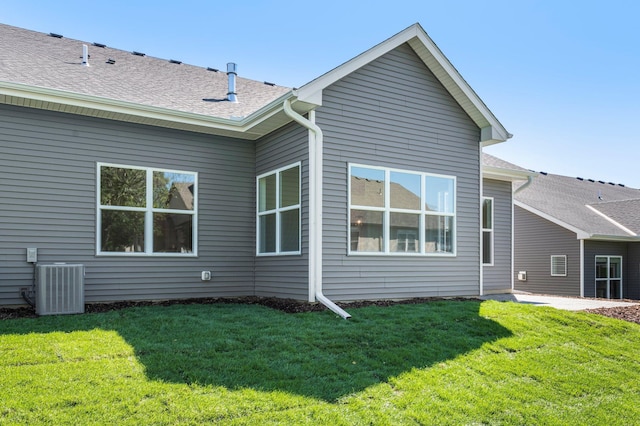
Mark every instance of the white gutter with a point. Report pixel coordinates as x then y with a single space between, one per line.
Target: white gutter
315 208
144 114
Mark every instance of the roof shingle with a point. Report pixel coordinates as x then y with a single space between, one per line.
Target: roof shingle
567 199
38 59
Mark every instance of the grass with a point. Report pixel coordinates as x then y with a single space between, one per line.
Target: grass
444 362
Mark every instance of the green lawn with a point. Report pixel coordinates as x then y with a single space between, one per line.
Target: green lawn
443 362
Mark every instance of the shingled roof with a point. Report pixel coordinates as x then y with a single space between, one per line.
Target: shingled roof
592 209
45 71
38 59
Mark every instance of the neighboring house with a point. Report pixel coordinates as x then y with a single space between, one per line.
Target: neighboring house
577 237
150 171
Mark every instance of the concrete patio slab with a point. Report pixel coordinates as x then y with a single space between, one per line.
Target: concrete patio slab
559 302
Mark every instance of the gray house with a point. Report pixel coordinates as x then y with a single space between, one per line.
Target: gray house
577 237
170 181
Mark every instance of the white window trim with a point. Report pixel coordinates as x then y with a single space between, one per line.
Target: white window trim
149 210
564 257
490 230
422 212
278 210
608 279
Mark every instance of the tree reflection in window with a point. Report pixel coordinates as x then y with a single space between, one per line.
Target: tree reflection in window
145 210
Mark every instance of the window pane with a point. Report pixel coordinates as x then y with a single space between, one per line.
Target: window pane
290 230
367 187
366 231
405 191
615 289
267 193
172 233
122 187
615 267
486 247
601 267
439 194
290 187
487 209
405 229
173 190
438 234
122 231
267 233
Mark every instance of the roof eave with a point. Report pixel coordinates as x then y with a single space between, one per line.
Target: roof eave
509 175
492 131
580 234
604 237
82 104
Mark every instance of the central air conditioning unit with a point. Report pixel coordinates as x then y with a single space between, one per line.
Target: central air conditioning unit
59 289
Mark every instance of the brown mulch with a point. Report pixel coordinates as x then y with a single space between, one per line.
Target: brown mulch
630 313
627 313
284 305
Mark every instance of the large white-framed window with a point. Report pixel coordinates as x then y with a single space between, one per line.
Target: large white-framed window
609 277
487 231
558 265
146 211
401 212
278 219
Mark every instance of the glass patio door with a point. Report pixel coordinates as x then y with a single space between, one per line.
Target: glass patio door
609 277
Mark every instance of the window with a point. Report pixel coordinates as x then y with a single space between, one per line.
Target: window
487 231
400 212
278 221
558 266
146 211
609 277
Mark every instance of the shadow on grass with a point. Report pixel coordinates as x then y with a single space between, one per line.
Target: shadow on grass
312 354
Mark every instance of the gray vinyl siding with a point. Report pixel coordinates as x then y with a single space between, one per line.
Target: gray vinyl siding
285 276
604 248
633 271
536 240
48 175
497 277
394 113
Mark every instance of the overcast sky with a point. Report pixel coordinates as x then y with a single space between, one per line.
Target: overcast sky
562 76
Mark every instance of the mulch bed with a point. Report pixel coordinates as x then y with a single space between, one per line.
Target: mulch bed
284 305
627 313
630 313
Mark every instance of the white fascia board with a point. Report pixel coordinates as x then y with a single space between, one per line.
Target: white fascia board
312 91
509 175
580 234
613 222
78 100
491 130
620 238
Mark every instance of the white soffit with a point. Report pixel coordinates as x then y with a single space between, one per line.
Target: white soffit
492 130
261 122
509 175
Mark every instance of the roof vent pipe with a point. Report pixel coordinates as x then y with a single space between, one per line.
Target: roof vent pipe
231 73
85 55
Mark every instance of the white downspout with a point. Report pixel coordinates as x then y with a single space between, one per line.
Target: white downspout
581 268
481 201
315 208
524 185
